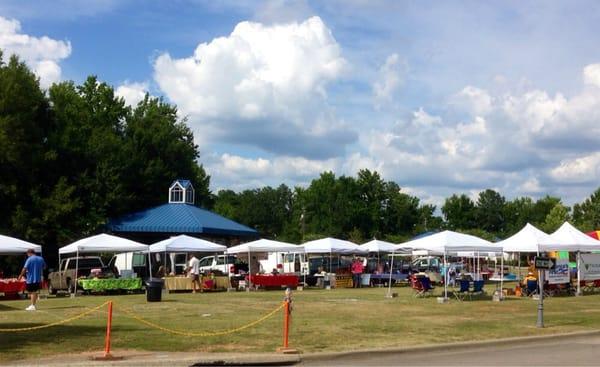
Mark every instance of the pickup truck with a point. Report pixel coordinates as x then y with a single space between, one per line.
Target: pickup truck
230 265
63 279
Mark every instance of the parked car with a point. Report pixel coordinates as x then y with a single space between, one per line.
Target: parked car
226 264
64 278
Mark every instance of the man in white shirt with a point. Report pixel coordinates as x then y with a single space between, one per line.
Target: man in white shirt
194 273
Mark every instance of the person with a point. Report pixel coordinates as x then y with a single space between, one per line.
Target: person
194 273
34 265
357 270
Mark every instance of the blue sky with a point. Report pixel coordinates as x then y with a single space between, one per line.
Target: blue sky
442 97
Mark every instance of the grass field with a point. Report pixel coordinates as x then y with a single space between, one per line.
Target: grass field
335 320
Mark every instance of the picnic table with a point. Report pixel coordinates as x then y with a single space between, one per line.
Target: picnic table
109 284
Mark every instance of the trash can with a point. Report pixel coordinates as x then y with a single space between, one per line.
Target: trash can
154 290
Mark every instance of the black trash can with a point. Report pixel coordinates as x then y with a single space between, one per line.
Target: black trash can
154 290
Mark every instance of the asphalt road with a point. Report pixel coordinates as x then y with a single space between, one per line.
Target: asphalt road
571 351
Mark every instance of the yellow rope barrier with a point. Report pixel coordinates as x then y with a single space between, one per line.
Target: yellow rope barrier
60 322
215 333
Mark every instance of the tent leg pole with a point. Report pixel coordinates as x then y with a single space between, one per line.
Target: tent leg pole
249 270
578 273
389 294
445 277
76 272
502 277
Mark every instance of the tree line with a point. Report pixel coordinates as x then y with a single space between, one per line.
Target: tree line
76 155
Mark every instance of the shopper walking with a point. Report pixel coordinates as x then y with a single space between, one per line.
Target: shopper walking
33 268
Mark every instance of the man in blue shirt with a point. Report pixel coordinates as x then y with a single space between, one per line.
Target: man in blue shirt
33 268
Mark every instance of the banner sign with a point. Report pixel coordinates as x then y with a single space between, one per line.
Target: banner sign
543 262
590 266
560 273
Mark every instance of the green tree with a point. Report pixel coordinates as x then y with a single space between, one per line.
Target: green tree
587 214
459 212
557 216
490 211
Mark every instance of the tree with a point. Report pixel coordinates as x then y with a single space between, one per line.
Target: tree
557 216
459 212
490 211
517 213
587 214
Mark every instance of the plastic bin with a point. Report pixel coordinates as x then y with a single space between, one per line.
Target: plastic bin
154 290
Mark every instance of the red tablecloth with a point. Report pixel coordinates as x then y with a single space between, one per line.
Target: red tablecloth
11 285
274 280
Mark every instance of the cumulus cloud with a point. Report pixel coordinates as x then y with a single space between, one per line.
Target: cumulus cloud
265 86
133 93
591 75
42 54
389 80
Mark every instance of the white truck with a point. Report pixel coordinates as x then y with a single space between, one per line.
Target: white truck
64 277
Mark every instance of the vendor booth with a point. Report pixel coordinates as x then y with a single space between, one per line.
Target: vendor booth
187 244
383 272
449 243
264 246
330 248
569 238
103 243
14 246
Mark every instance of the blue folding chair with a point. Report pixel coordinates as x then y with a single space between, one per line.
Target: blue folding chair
463 291
477 288
532 288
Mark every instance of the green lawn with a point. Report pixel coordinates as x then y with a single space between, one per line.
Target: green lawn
335 320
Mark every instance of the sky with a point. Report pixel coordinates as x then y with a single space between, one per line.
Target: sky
441 97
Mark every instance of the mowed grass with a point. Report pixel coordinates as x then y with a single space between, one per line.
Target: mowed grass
334 320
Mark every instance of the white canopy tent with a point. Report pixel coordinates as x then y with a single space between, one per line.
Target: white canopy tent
378 246
449 242
332 246
528 239
183 243
101 243
569 238
263 245
15 246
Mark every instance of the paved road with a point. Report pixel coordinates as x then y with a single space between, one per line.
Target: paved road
572 351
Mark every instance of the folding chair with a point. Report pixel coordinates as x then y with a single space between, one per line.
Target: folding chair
477 288
416 285
463 291
532 288
427 287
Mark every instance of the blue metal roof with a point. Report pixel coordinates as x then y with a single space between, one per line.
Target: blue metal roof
179 218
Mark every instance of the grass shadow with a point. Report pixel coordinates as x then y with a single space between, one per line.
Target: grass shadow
8 308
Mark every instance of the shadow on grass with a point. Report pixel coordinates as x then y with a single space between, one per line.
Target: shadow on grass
67 335
8 308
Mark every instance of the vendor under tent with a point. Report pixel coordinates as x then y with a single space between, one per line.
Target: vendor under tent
184 243
15 246
569 238
263 246
449 242
101 243
332 246
527 240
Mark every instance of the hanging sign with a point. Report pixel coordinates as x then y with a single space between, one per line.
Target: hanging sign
560 273
544 263
590 266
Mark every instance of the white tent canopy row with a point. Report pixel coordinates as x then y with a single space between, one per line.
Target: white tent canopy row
528 239
15 246
264 245
183 243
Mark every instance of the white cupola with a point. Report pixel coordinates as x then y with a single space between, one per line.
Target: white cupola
181 192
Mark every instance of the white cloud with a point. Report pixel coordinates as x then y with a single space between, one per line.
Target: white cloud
42 54
264 86
475 100
591 75
585 169
389 80
133 93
